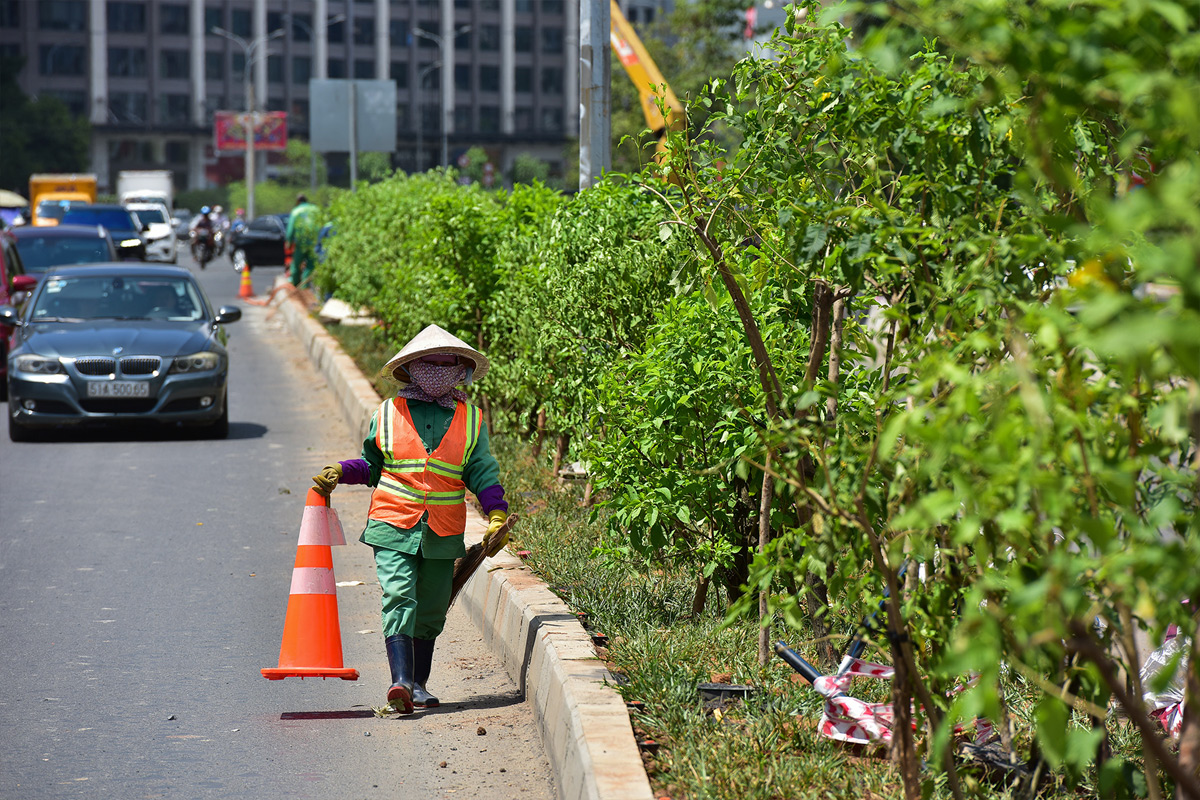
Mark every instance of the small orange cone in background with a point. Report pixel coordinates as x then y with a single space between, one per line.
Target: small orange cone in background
247 288
312 635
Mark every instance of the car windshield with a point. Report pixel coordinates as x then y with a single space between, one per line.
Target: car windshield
149 215
78 298
115 219
39 253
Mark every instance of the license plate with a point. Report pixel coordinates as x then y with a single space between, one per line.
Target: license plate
118 389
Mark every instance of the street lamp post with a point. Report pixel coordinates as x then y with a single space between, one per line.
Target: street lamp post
252 53
441 44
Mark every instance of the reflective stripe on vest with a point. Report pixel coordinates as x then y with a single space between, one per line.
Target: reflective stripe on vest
414 482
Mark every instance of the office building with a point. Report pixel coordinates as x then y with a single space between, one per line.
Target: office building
149 74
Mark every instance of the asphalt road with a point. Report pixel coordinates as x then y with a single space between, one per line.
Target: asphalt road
144 577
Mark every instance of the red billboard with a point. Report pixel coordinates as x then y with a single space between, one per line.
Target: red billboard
270 130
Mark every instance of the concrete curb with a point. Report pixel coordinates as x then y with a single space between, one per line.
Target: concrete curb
584 724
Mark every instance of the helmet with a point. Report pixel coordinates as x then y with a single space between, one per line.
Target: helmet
205 209
217 209
240 211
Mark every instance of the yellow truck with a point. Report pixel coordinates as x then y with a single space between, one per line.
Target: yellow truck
50 195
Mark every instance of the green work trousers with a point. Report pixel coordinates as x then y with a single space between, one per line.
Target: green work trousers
304 261
416 592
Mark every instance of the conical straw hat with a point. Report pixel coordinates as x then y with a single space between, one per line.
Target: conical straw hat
436 341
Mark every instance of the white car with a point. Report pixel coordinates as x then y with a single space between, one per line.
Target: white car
159 231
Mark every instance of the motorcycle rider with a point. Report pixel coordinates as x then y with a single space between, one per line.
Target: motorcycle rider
201 234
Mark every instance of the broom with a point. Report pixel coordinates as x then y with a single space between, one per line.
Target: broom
465 567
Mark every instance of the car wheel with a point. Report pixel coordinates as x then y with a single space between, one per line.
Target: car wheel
238 257
220 428
19 433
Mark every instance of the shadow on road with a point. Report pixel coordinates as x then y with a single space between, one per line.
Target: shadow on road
147 432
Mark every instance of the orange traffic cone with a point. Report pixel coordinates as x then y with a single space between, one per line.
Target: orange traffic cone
247 288
312 636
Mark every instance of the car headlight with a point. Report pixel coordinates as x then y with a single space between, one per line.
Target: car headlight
196 362
38 365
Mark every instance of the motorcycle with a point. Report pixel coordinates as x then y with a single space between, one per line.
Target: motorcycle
202 246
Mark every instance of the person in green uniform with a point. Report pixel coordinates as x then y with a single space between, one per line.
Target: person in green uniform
301 234
424 450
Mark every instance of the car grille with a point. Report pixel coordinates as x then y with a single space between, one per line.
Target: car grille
140 365
106 405
96 365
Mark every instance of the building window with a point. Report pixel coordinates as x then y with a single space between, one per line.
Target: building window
403 122
399 73
398 32
552 40
10 50
523 119
424 41
274 21
62 59
174 19
337 68
552 6
335 33
462 4
10 14
127 62
523 78
364 68
127 106
173 109
489 78
302 27
130 151
299 114
62 15
462 118
276 103
462 41
462 77
174 64
275 69
489 119
240 22
126 17
213 18
523 39
430 76
489 5
431 117
552 80
239 66
177 152
524 6
489 37
552 120
301 69
213 103
75 101
364 30
214 66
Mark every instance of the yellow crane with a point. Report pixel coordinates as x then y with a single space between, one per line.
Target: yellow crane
644 73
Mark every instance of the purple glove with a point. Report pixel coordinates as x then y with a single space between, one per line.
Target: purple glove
492 499
355 471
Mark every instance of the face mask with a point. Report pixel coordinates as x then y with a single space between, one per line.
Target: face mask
436 380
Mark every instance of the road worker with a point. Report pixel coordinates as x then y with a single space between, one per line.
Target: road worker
425 449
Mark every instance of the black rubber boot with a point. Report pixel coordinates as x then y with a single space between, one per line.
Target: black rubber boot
423 657
400 658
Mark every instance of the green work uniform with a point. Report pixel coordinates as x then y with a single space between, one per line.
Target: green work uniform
301 234
415 565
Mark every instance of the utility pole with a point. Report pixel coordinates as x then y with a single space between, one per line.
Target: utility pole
595 98
252 51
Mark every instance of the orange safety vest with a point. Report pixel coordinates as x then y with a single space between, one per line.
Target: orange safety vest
413 481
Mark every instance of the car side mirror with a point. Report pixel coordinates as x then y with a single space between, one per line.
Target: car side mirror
9 316
226 314
24 283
